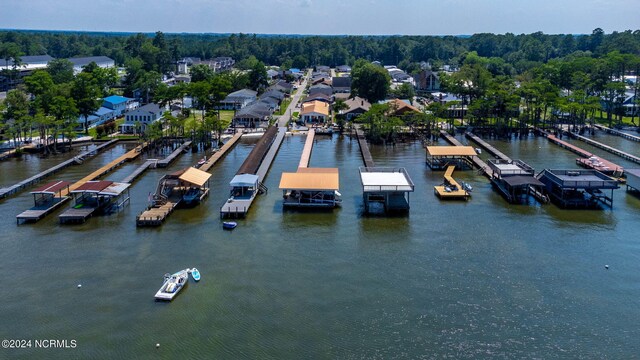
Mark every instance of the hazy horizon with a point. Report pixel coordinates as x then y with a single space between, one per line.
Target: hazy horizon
330 17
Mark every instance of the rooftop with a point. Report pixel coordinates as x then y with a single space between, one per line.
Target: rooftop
451 151
315 106
385 179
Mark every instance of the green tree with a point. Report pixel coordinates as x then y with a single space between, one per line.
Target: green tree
61 70
369 81
201 72
258 79
86 94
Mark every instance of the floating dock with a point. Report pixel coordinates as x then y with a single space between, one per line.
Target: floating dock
78 159
182 188
618 133
247 183
46 199
451 189
364 149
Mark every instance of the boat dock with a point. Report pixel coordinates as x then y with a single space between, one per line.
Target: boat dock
306 151
617 133
46 199
155 163
587 159
474 159
364 149
450 189
95 197
247 183
5 192
220 153
493 151
606 148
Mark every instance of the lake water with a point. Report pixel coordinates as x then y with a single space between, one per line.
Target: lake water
459 280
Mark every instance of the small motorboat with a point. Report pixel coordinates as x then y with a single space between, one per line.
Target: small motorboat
172 285
229 225
195 274
467 187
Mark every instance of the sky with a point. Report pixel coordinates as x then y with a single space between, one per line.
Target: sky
325 17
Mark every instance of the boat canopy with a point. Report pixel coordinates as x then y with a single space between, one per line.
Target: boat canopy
244 180
52 187
195 176
310 181
451 151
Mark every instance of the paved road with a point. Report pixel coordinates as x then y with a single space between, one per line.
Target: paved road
284 119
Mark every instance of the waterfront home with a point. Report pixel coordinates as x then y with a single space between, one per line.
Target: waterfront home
402 108
357 106
314 112
282 86
138 119
238 99
255 115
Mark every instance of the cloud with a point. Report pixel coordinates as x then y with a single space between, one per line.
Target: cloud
305 3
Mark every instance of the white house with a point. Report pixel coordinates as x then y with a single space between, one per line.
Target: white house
238 99
142 117
102 61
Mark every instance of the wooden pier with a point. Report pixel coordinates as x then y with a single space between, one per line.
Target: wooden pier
617 133
451 189
271 154
493 151
587 159
475 159
155 163
155 216
606 148
308 147
364 149
220 153
5 192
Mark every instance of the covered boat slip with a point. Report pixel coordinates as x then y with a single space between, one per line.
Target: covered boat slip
182 188
578 188
311 188
244 188
450 189
46 198
439 157
386 187
633 179
516 180
96 197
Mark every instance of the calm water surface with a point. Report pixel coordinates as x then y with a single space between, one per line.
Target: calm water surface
452 279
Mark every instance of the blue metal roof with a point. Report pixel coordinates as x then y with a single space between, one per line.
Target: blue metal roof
116 99
103 111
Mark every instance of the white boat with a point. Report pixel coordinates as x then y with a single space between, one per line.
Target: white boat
172 285
195 274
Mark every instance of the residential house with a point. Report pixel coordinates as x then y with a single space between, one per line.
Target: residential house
27 63
427 80
272 74
102 61
100 116
321 88
357 106
239 99
323 68
341 84
255 115
142 117
402 108
119 104
282 86
275 94
318 97
314 112
343 69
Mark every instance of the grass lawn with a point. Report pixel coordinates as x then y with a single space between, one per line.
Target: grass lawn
226 115
283 107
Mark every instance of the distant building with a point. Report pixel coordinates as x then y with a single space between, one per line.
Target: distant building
27 63
344 69
102 61
427 80
112 107
216 64
142 117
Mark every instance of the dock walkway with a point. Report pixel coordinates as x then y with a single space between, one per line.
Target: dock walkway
220 153
273 150
493 151
476 160
5 192
308 147
617 133
364 149
606 148
154 163
156 215
455 190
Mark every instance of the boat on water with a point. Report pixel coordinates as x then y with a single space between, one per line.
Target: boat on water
172 285
191 197
467 187
195 274
229 225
